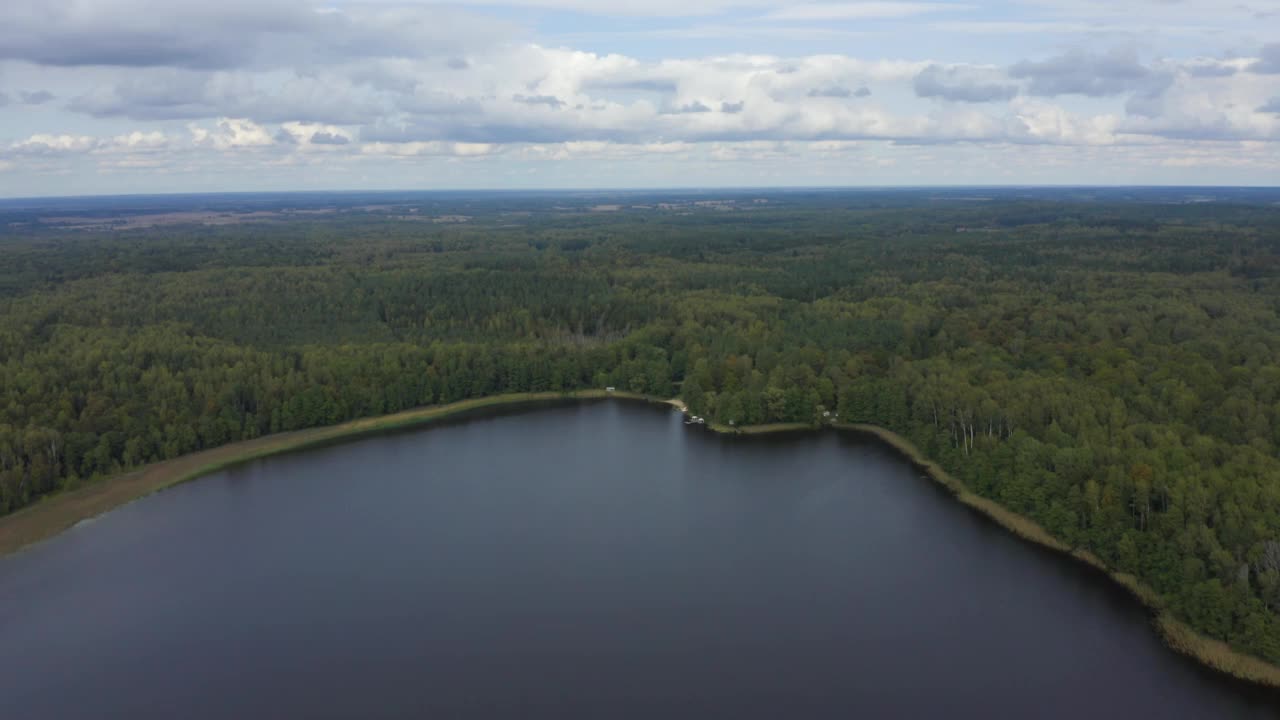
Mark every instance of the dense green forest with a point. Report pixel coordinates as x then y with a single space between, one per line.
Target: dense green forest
1109 368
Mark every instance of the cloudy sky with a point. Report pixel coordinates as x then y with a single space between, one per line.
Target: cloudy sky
123 96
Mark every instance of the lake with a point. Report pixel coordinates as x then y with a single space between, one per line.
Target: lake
583 560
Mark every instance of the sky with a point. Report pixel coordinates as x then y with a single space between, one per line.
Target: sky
142 96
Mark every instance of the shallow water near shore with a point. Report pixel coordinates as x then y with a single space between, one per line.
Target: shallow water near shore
589 560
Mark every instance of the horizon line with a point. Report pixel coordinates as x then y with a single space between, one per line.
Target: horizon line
640 189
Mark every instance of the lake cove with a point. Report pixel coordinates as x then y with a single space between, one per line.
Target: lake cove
590 560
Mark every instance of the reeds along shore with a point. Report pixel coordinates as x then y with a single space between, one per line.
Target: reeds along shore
1177 635
64 510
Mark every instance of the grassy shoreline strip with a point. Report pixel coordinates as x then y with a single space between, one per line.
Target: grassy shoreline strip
62 511
1177 635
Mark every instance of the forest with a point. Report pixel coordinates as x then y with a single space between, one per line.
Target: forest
1109 367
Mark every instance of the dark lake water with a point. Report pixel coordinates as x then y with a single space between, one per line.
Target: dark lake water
597 560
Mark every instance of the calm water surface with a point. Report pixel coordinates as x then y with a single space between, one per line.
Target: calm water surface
596 560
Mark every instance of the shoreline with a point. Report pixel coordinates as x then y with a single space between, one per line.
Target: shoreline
1177 635
60 511
64 510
